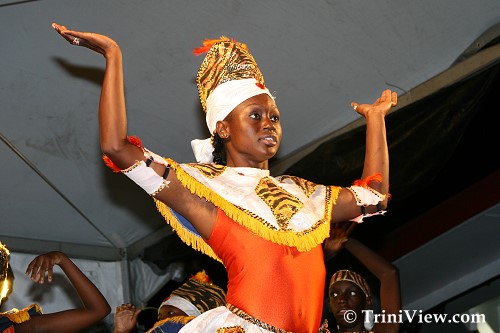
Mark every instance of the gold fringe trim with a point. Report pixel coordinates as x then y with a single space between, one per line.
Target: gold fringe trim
20 316
195 241
303 241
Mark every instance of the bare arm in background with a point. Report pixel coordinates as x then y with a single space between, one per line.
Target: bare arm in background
94 306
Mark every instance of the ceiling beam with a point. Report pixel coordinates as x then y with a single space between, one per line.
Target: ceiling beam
80 251
459 71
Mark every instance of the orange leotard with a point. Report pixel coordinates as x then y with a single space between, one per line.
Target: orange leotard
274 283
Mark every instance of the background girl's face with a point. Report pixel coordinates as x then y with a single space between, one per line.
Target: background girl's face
168 311
345 296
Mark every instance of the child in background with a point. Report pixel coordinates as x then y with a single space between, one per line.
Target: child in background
184 304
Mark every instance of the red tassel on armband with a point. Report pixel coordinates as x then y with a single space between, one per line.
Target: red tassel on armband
365 181
377 177
136 141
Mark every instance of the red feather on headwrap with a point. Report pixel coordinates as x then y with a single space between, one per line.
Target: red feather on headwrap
201 276
208 43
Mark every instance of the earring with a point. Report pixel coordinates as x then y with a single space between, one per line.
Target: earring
369 321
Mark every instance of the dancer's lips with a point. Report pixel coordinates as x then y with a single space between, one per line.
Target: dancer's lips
269 140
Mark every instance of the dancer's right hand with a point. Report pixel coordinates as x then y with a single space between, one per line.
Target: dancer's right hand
96 42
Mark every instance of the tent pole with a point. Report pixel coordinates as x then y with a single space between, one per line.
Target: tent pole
125 272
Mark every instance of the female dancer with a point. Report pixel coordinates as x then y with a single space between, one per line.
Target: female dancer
267 231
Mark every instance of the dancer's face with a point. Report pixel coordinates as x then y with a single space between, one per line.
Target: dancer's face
253 131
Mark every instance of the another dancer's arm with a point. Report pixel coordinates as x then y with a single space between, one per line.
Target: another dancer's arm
387 274
94 306
383 270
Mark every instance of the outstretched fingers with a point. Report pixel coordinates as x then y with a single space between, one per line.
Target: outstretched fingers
43 264
64 32
93 41
394 98
383 104
37 268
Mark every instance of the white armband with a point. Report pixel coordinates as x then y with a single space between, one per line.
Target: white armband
366 196
146 177
156 158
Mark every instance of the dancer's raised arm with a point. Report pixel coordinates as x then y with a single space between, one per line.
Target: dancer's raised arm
112 110
350 203
124 154
376 154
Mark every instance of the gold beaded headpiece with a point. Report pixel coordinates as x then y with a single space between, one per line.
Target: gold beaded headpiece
226 60
347 275
227 76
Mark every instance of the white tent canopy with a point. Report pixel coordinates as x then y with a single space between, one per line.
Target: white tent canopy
317 57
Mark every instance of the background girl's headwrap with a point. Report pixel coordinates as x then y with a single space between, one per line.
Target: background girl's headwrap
196 296
227 76
347 275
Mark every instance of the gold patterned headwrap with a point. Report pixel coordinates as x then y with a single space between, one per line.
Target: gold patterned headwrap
227 76
4 269
196 296
347 275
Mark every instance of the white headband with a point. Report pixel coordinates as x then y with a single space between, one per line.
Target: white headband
220 103
182 304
